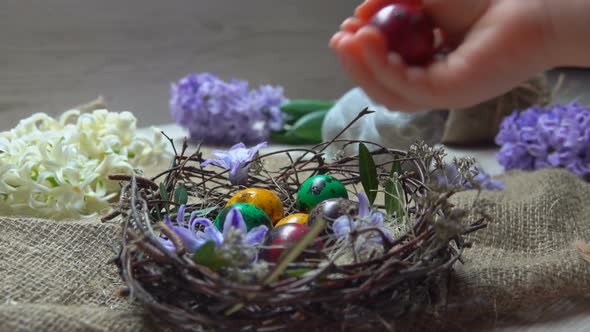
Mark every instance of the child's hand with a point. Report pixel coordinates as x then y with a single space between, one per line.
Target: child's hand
497 44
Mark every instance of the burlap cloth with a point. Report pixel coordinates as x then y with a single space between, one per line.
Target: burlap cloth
56 276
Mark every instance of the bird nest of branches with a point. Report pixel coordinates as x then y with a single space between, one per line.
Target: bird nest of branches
384 257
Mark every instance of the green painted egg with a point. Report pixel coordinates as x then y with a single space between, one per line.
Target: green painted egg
319 188
253 216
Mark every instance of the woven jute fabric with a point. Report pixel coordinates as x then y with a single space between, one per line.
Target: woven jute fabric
56 276
525 265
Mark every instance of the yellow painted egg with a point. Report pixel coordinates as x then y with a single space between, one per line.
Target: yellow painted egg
263 199
295 218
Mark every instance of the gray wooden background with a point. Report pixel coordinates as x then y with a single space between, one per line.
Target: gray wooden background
60 53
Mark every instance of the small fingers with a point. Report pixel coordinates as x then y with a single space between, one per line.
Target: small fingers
336 38
368 9
351 24
388 69
353 61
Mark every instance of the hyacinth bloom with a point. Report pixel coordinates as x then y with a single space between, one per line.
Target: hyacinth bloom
542 137
226 113
237 160
234 231
58 168
366 218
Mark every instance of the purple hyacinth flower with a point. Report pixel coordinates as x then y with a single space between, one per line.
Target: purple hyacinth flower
554 136
237 160
226 113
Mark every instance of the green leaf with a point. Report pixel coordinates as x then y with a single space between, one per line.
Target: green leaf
288 137
207 255
297 108
309 126
165 197
297 272
180 195
394 192
368 172
203 212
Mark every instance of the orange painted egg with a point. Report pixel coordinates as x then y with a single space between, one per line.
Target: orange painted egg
263 199
295 218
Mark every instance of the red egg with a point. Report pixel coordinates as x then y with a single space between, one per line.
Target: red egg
409 32
368 9
280 239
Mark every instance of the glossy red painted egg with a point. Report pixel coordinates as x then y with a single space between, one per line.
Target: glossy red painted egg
409 32
280 239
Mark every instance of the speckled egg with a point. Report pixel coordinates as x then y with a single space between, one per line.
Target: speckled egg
253 216
282 238
264 199
319 188
295 218
331 209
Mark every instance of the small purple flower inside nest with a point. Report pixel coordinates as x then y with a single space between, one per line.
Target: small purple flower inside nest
237 160
450 176
234 231
366 218
543 137
225 113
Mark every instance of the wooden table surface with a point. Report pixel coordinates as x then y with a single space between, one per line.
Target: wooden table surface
58 54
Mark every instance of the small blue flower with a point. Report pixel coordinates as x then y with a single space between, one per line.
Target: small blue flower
237 160
234 227
451 176
187 231
234 231
366 218
486 182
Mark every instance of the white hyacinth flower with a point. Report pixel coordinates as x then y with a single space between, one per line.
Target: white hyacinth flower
59 168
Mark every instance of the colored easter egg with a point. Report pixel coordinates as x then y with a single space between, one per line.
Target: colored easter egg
319 188
280 239
409 32
253 216
331 209
295 218
264 199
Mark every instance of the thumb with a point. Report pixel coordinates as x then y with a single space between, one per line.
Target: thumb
455 17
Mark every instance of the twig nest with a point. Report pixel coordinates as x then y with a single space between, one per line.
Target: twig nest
384 257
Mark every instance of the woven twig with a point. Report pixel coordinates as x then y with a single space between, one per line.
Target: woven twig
407 276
